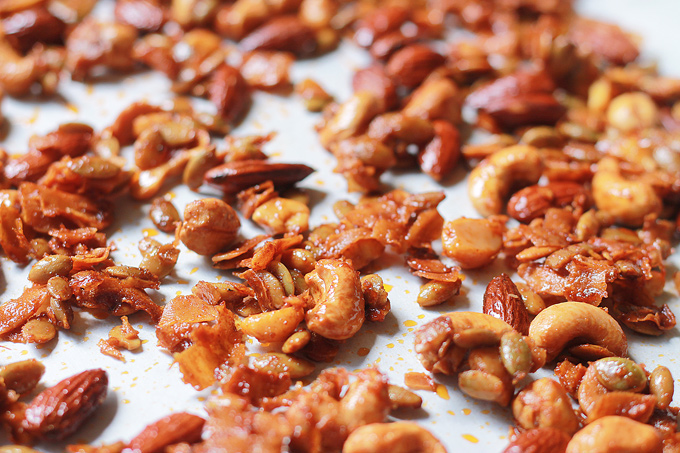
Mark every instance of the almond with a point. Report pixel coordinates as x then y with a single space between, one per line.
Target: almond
412 64
375 80
228 90
503 300
533 201
59 411
440 156
284 33
235 176
172 429
539 440
378 22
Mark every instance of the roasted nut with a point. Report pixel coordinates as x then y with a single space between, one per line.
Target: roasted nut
402 398
502 300
296 341
434 340
515 354
472 243
441 155
545 404
435 293
483 386
351 118
49 267
412 64
313 95
22 377
164 214
539 440
273 326
276 362
629 112
559 324
169 430
662 386
397 437
614 433
338 311
626 200
209 226
282 215
59 411
490 182
620 374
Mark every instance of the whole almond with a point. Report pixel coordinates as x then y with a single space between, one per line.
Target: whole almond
539 440
228 90
412 64
59 411
173 429
233 177
503 300
378 22
440 156
284 33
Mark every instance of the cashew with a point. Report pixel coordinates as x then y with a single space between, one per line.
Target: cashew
616 434
351 118
338 312
626 201
434 340
397 437
490 182
630 112
473 243
545 404
273 326
559 325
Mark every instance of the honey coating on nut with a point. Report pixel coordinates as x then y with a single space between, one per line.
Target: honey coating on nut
209 226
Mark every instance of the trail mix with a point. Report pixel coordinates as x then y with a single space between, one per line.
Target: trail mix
576 183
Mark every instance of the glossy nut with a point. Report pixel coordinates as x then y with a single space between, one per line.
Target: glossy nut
545 404
560 324
661 385
483 386
489 182
472 243
433 341
397 437
515 353
49 267
632 111
615 433
209 226
625 200
338 311
620 374
282 215
273 326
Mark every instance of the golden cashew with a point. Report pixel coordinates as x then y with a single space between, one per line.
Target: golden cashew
626 201
273 326
616 434
338 312
282 215
545 404
351 118
367 400
434 340
473 243
490 182
397 437
590 390
560 325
